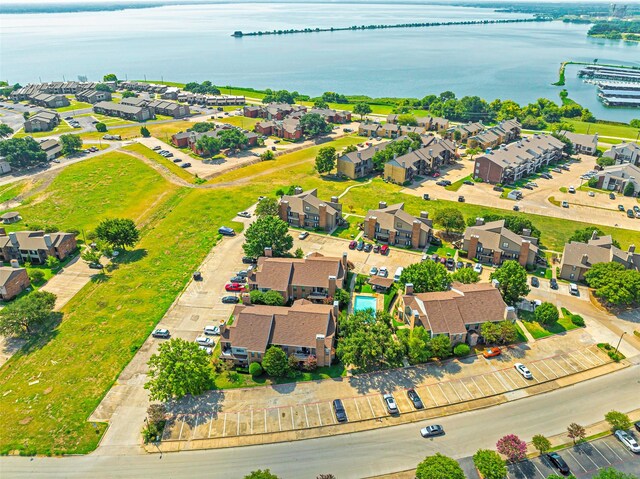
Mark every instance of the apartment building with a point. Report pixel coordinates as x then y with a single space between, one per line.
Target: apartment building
306 210
394 226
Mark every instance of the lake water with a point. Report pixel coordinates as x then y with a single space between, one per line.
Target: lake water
193 42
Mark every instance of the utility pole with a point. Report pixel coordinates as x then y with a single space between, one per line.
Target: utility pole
619 341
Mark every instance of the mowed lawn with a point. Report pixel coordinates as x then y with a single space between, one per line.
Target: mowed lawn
618 131
113 185
63 127
167 163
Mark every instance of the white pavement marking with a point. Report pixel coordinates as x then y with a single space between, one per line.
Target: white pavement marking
612 450
589 360
224 426
478 387
578 361
506 375
373 414
266 429
210 423
333 415
384 406
432 397
445 396
355 400
538 369
181 426
195 427
465 386
252 421
238 428
592 461
279 419
456 391
571 365
549 369
594 447
556 363
539 472
486 381
579 463
319 417
599 358
306 416
293 425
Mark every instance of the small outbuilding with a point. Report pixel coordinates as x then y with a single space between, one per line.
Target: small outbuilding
10 217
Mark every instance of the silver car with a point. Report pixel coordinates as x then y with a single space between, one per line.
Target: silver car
392 407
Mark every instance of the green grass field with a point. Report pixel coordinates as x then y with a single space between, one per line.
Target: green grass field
233 380
63 127
10 191
74 105
619 131
170 165
539 331
107 120
241 121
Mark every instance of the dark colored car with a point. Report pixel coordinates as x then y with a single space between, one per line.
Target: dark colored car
637 426
341 414
360 245
238 279
352 245
441 183
226 231
161 333
554 283
612 196
557 462
229 299
185 165
368 247
468 182
460 199
249 260
459 265
435 257
197 276
415 399
96 265
376 248
534 282
450 264
435 241
498 188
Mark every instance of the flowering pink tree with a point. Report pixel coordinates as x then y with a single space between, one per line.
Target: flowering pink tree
511 446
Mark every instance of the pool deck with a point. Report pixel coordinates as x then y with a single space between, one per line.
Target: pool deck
379 301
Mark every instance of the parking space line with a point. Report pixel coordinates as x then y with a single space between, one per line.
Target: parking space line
355 400
266 429
580 363
210 423
511 379
455 390
445 396
181 426
306 417
293 425
572 366
612 450
319 417
384 406
279 419
432 397
467 389
592 461
538 369
549 368
556 363
585 357
251 420
539 471
373 414
507 387
579 463
238 428
603 457
195 427
333 415
224 426
486 381
599 358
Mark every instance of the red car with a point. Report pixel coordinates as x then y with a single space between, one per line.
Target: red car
352 245
384 249
235 287
436 174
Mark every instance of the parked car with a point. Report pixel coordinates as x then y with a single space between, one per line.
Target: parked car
460 199
557 462
96 265
630 213
415 399
621 208
535 282
238 279
573 289
636 208
478 268
459 265
185 165
491 352
197 276
177 160
204 341
207 350
450 263
390 402
234 287
627 440
468 182
229 299
516 208
383 271
244 214
612 196
352 244
572 189
249 260
360 245
156 148
376 248
373 271
565 204
212 330
523 370
431 431
441 183
368 247
338 408
435 241
226 231
161 333
384 249
592 194
637 425
303 235
498 188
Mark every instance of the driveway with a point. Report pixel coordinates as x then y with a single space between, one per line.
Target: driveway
73 277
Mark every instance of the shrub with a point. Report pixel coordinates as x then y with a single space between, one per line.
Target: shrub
310 364
577 320
255 369
461 350
490 464
36 276
101 127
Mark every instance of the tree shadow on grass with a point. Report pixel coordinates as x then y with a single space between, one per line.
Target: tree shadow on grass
44 334
132 256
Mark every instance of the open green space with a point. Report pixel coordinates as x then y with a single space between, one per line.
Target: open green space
350 231
233 379
167 163
107 120
74 105
63 127
10 191
604 129
241 121
539 330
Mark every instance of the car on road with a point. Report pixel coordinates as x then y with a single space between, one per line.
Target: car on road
432 431
478 268
553 283
415 399
535 282
185 165
390 402
161 333
368 247
96 266
523 370
234 287
468 182
338 408
556 461
360 245
303 235
373 271
565 204
212 330
383 271
244 214
627 440
572 189
226 231
491 352
229 299
621 208
249 260
384 249
238 279
204 341
573 289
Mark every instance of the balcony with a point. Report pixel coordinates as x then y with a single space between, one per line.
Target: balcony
318 295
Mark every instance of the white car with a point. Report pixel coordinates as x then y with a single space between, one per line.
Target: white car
303 235
628 440
572 189
383 272
392 407
591 193
212 330
373 271
207 350
204 341
478 268
523 370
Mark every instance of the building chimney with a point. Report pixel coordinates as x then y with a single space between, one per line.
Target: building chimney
298 190
321 356
510 313
14 239
594 235
415 318
526 232
222 327
382 205
15 263
345 263
408 289
430 151
332 285
632 248
268 252
359 155
424 215
335 199
246 299
584 259
47 240
336 309
3 232
479 221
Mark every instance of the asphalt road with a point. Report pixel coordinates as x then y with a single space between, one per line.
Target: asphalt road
361 454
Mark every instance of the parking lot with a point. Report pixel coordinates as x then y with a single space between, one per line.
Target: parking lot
584 460
237 413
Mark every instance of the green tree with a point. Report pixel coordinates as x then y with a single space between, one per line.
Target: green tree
313 125
128 94
36 276
156 413
541 443
611 473
326 159
103 87
629 189
441 346
613 283
439 467
490 464
275 362
342 296
268 155
320 104
465 276
22 152
461 349
280 96
362 109
5 130
110 77
179 368
618 420
144 131
70 144
349 149
513 281
208 145
604 161
298 253
268 231
504 332
267 207
272 298
576 432
101 127
260 474
255 369
450 219
118 232
91 255
27 314
52 262
232 138
26 115
472 152
407 120
426 277
547 313
635 123
202 126
419 345
585 234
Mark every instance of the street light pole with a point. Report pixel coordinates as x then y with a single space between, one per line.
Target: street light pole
619 341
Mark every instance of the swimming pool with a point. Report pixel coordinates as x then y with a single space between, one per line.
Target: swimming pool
361 303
